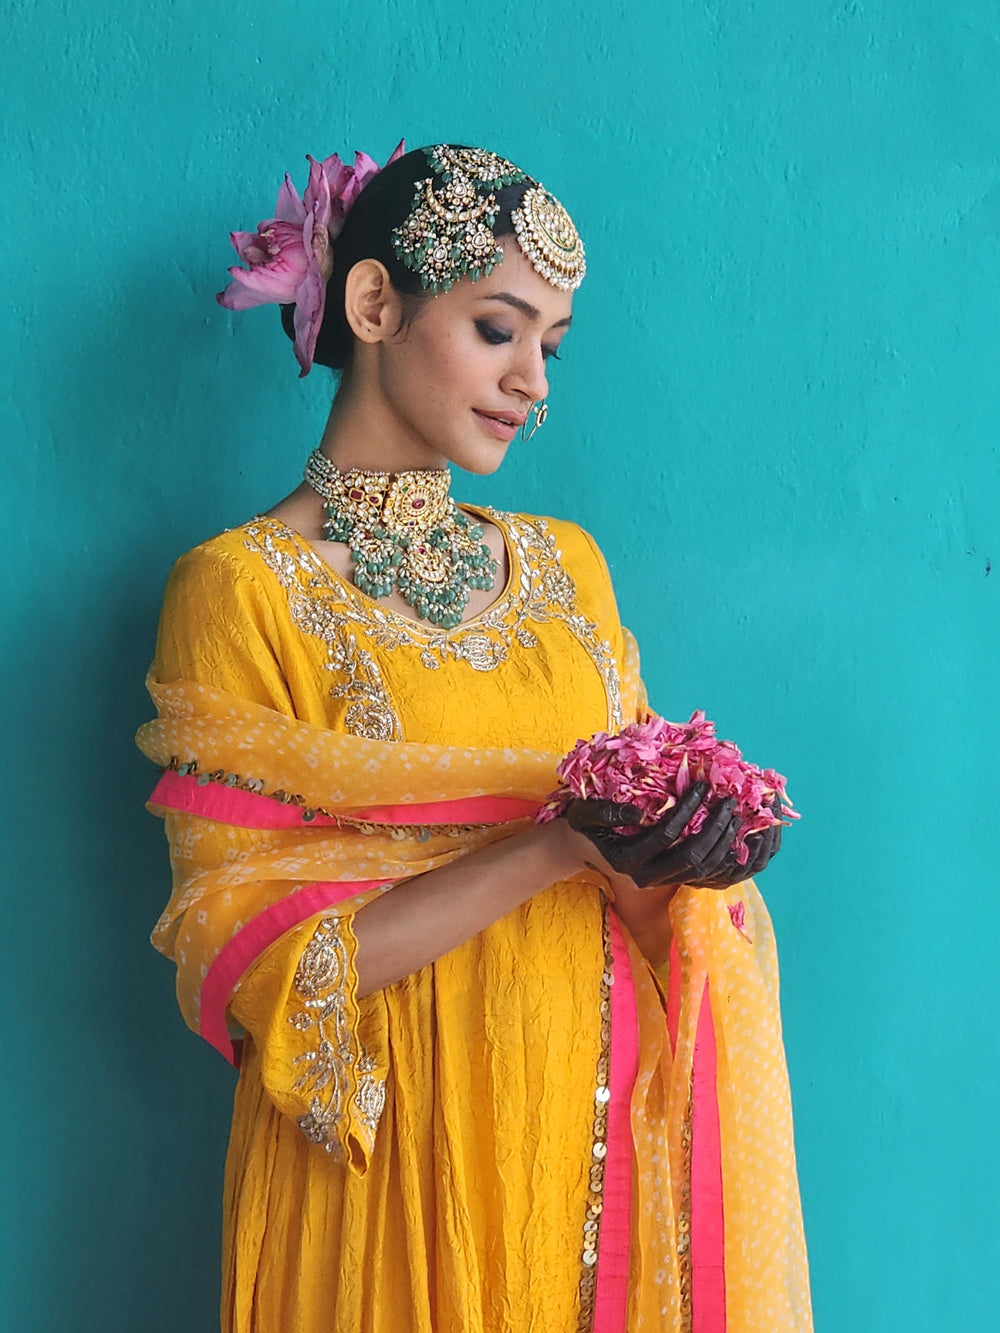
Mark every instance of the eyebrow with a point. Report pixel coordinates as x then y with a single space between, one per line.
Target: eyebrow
508 298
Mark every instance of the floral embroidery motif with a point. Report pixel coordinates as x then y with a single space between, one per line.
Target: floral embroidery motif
544 591
370 1096
321 984
540 591
303 576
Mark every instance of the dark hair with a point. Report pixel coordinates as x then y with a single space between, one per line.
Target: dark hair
367 234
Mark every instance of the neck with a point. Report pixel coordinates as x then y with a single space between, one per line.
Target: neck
362 431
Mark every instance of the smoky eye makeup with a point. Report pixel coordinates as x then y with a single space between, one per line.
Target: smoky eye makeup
495 336
492 333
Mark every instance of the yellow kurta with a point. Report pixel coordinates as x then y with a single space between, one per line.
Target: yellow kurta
448 1193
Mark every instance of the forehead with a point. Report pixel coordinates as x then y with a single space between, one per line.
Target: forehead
517 277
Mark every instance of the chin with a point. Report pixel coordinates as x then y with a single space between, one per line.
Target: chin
479 461
481 467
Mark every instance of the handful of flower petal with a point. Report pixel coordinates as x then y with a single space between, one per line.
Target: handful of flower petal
652 764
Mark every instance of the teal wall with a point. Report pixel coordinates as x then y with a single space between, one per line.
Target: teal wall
779 414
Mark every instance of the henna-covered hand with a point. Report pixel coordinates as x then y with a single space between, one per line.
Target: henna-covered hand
659 856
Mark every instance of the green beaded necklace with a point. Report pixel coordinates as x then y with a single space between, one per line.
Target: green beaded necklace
405 533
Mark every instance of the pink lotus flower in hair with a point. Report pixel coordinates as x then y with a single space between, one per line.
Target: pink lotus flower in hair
290 255
652 764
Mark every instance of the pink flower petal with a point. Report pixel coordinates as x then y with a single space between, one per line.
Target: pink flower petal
310 299
289 207
651 764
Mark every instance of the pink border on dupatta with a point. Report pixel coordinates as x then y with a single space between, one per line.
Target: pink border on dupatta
247 809
611 1291
708 1232
708 1239
249 943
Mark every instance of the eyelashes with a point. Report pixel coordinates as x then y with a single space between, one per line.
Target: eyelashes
491 334
496 337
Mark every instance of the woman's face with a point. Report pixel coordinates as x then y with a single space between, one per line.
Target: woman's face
459 379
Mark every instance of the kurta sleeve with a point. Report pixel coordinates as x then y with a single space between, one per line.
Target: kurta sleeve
323 1053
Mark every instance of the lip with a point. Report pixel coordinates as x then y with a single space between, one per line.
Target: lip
503 425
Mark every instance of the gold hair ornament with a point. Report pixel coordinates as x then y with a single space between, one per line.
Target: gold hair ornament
547 237
448 233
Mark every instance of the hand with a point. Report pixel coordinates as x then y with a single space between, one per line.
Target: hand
761 846
658 855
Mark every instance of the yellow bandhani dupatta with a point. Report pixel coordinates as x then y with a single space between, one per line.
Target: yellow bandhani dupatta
273 822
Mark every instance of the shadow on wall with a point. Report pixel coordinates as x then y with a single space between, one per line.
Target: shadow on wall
126 1119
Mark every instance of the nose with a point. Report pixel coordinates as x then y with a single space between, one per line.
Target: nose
526 376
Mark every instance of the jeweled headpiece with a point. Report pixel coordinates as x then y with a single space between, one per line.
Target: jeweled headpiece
448 233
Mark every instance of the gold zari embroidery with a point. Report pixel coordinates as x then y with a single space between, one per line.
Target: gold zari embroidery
540 590
321 984
302 575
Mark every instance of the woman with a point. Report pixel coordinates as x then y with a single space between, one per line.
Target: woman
473 1095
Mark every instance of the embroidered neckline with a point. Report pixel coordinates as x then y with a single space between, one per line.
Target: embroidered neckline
352 593
324 604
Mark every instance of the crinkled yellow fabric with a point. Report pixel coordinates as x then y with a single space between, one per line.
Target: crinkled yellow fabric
461 1205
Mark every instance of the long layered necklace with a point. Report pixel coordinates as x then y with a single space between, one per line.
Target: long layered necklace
405 533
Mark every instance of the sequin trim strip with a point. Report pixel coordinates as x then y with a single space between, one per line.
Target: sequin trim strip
257 787
684 1220
599 1148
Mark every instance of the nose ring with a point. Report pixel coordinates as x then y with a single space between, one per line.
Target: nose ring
541 411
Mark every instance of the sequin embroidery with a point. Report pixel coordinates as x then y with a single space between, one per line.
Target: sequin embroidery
321 985
370 712
540 590
599 1147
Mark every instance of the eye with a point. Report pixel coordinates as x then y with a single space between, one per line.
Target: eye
491 333
551 354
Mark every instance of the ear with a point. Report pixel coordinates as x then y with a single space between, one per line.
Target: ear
371 303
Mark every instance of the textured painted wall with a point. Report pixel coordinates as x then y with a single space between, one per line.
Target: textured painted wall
778 413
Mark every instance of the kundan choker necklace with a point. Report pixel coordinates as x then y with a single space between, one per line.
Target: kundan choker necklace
405 533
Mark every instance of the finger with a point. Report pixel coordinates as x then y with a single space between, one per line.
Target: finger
760 852
670 867
590 814
677 817
716 826
712 858
776 833
776 807
638 850
684 861
643 847
693 860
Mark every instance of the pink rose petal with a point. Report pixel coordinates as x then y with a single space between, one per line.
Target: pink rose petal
651 764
